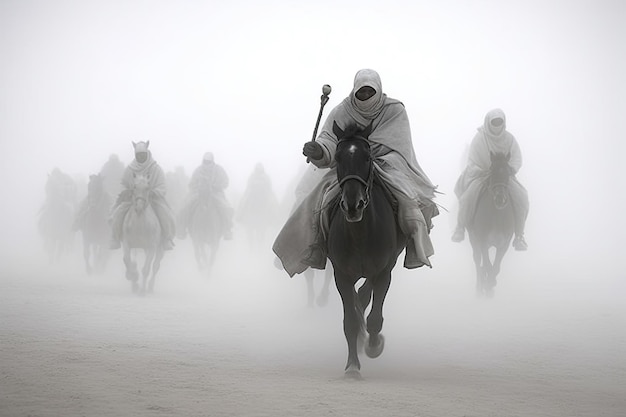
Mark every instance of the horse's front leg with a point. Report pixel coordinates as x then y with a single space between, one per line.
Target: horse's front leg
131 267
156 265
86 255
213 247
497 262
352 323
376 342
488 278
147 266
477 254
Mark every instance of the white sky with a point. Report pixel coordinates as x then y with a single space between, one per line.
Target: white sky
80 80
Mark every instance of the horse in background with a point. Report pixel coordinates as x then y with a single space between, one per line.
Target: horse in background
56 217
493 224
92 221
322 298
364 241
141 230
259 208
205 228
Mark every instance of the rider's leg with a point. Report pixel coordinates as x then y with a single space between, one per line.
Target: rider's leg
413 224
320 225
168 225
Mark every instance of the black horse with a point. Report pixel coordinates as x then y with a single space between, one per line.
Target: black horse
493 224
364 241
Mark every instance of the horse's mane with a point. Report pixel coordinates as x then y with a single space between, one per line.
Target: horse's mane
351 130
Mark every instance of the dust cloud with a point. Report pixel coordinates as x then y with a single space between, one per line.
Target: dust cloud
82 81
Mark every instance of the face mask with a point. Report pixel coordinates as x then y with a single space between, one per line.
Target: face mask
141 157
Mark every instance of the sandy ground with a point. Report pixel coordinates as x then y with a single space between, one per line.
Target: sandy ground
243 343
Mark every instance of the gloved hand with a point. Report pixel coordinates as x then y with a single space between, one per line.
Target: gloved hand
313 150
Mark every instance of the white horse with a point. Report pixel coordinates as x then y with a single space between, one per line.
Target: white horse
141 230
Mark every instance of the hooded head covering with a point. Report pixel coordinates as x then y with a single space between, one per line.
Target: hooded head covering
491 130
371 107
141 146
208 156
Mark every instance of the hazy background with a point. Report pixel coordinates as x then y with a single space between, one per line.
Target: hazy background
80 80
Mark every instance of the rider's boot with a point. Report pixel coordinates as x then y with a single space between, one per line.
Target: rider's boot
411 219
519 243
168 244
459 234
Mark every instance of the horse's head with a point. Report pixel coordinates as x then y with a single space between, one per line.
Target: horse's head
141 192
354 170
499 174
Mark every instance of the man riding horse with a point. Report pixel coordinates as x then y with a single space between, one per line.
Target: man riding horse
492 137
145 165
211 177
302 241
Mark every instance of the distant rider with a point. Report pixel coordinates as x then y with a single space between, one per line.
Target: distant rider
145 165
212 177
492 136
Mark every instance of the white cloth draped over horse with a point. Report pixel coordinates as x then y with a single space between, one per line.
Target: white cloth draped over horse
394 161
473 178
156 177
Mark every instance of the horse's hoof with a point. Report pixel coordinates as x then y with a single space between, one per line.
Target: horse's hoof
353 373
377 349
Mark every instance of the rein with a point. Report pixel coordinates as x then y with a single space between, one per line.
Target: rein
366 183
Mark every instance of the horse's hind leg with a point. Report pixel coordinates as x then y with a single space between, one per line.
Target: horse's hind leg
376 342
322 298
309 276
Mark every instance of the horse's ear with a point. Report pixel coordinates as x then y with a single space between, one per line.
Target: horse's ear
368 131
134 144
337 130
147 144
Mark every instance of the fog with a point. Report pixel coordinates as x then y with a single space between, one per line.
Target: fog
82 80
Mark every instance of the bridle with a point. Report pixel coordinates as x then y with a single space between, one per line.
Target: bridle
367 183
498 189
141 194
